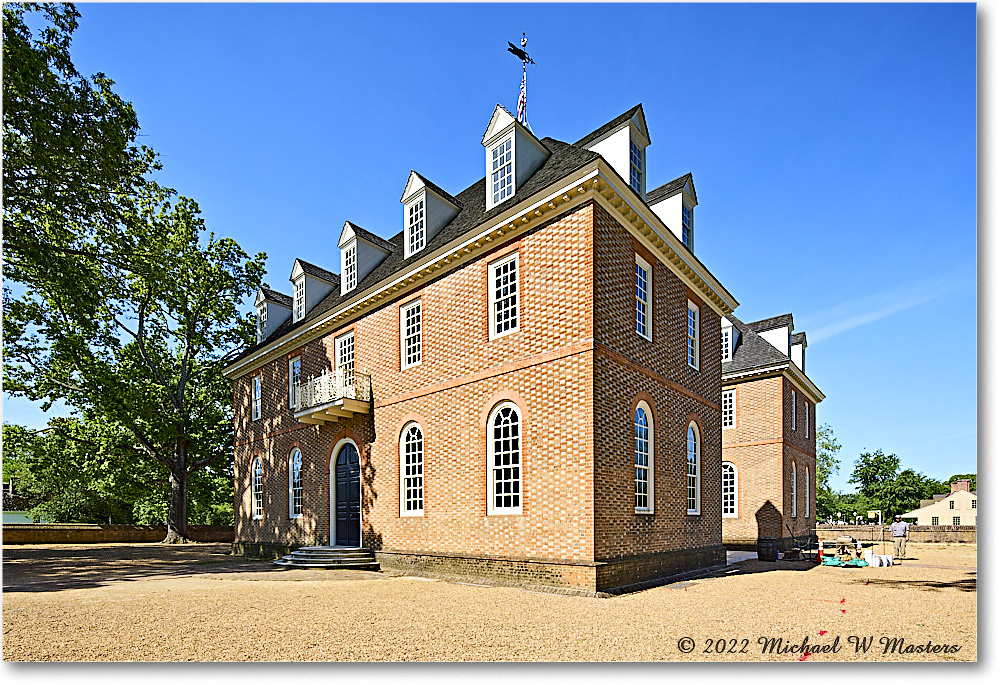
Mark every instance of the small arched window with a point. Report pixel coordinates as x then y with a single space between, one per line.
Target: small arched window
257 489
505 460
693 469
295 483
411 471
729 490
808 488
643 435
795 491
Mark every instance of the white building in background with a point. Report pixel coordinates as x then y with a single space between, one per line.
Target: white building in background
957 508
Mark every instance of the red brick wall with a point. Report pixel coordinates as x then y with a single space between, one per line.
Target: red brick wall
762 446
629 366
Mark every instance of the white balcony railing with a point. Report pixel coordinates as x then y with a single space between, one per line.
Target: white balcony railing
333 386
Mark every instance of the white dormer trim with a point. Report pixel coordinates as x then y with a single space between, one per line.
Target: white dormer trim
526 153
358 257
270 314
778 337
437 211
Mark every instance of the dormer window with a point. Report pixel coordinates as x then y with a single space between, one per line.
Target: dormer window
687 227
300 299
503 171
635 166
262 323
416 235
351 266
727 344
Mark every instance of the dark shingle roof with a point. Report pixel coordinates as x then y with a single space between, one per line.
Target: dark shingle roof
798 338
667 189
275 296
438 190
752 351
564 160
772 323
370 237
319 272
610 126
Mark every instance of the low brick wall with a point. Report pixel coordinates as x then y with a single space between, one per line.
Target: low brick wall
82 533
966 534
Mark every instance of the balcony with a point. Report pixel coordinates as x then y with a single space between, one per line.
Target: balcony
333 396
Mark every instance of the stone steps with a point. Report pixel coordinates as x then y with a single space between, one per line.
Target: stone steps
330 557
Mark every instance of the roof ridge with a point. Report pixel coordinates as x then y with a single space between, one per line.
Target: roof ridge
318 271
601 130
669 188
437 189
371 237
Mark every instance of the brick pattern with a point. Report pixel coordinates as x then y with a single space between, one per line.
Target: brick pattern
762 446
574 369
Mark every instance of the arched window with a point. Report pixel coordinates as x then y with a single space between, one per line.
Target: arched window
295 483
505 460
693 470
411 471
808 488
643 459
729 490
256 489
795 491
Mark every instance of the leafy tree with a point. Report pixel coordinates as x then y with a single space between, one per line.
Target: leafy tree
129 307
884 487
827 464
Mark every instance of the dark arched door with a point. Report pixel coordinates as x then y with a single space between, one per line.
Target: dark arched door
348 497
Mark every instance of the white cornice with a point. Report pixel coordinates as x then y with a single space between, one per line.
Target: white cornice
788 369
596 181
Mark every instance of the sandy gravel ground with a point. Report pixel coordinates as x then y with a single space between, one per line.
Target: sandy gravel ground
182 603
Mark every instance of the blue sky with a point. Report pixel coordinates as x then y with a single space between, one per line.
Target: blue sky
833 149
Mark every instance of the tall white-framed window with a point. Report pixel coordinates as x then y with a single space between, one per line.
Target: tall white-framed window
643 434
805 504
300 298
729 490
687 226
256 489
728 412
255 392
351 266
794 403
805 417
410 336
294 380
505 459
415 226
502 170
693 469
262 323
411 471
727 346
635 166
643 298
693 337
345 356
295 484
795 491
504 312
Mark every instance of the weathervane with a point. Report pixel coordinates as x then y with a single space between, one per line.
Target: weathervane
522 100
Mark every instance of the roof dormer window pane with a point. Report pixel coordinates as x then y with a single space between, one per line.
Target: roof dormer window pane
503 172
415 226
635 166
262 323
300 298
351 266
687 227
727 347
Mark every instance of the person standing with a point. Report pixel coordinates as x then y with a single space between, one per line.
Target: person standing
900 531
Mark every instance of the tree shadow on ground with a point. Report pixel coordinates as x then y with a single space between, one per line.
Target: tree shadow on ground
963 584
47 569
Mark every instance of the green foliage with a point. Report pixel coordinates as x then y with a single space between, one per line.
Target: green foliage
971 477
129 306
827 464
882 486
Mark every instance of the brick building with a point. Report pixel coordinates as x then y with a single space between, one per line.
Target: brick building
521 384
768 433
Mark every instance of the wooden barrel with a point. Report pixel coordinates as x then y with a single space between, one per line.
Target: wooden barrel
767 549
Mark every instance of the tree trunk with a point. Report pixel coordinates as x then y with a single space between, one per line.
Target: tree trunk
177 512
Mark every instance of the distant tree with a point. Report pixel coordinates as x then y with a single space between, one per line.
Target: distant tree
129 306
882 486
827 464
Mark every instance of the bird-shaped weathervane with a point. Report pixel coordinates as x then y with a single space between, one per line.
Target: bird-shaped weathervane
522 100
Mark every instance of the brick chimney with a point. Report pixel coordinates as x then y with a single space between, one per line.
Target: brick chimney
960 485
